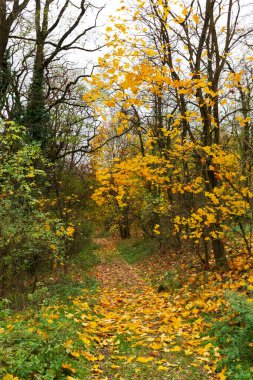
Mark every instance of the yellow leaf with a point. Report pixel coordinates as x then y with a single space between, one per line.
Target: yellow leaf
185 11
68 367
156 229
96 369
223 102
47 227
196 19
250 279
9 377
156 346
176 349
30 175
85 340
222 375
114 366
130 359
162 368
74 354
90 357
70 231
143 359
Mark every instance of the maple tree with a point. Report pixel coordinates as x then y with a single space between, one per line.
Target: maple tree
170 85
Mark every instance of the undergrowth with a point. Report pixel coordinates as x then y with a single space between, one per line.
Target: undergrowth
135 250
234 335
201 326
33 342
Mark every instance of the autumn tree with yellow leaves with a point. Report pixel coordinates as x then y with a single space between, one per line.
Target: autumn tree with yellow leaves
174 83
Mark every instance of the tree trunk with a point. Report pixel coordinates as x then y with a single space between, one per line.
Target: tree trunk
4 35
124 226
4 32
220 254
37 116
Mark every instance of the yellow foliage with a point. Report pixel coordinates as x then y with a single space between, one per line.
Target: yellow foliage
68 367
143 359
70 231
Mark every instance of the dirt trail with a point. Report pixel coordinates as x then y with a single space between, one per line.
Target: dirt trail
114 271
139 334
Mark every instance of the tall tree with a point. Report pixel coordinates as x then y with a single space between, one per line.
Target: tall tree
176 71
8 15
50 46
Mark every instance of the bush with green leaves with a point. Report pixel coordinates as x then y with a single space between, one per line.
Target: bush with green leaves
234 335
28 238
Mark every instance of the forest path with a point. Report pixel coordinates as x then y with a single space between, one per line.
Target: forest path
138 335
118 327
114 271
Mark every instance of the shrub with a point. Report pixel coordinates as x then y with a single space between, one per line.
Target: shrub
28 236
234 335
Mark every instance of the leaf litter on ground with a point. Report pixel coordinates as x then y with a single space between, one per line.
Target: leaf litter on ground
130 331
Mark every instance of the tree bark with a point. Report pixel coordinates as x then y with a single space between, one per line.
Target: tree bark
124 225
220 254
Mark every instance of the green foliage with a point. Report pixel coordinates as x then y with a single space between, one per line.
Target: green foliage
36 342
135 250
27 234
37 116
34 345
87 257
69 199
171 281
83 233
234 334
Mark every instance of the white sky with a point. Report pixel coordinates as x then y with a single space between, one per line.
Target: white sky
110 9
111 5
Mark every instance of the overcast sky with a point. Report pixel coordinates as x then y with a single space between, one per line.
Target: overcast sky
110 8
112 5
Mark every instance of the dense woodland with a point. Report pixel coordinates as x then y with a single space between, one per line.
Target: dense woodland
145 153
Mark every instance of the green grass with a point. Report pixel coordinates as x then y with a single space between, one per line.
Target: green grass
234 335
68 284
88 257
32 342
136 250
179 367
103 234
